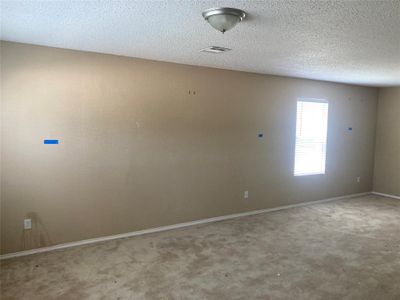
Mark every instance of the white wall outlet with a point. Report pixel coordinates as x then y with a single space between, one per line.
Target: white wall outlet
246 194
358 179
28 224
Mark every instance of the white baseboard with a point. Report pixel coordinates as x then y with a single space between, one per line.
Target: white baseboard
386 195
169 227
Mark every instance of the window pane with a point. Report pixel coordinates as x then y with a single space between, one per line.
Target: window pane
311 135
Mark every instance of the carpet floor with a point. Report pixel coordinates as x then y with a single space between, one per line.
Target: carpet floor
345 249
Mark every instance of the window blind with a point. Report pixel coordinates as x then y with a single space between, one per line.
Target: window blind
311 137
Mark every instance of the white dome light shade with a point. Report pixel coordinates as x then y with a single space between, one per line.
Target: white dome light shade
224 18
223 22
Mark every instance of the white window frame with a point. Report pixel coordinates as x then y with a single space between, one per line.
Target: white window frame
323 168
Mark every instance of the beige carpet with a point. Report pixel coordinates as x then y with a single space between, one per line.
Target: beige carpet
347 249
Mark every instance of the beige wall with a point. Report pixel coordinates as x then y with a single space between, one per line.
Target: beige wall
387 151
138 151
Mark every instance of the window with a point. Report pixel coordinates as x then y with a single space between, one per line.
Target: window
311 135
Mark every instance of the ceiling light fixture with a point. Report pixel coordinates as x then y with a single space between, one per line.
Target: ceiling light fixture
223 18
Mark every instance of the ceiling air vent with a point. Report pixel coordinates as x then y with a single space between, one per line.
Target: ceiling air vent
215 49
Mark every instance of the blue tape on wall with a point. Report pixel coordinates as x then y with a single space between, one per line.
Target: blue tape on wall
50 142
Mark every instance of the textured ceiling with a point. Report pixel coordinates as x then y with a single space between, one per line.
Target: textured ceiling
344 41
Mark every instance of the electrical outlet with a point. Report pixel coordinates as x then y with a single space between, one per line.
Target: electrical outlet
358 179
28 224
246 194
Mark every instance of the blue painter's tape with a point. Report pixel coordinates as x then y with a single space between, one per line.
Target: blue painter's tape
50 142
